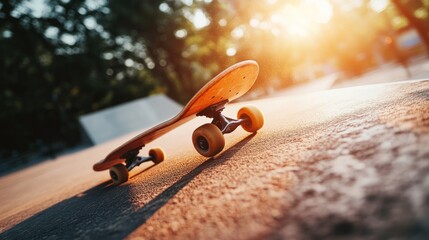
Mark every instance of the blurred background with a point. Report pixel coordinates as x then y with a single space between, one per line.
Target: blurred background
62 59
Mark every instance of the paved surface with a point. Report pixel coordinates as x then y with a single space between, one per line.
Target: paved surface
345 163
389 73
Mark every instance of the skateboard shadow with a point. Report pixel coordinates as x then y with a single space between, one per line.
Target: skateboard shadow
104 211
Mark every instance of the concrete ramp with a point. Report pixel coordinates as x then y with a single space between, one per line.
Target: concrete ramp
108 124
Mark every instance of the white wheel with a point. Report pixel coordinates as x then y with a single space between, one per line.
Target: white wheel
119 174
208 140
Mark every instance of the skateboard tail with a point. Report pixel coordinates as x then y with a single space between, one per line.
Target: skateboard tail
139 141
101 166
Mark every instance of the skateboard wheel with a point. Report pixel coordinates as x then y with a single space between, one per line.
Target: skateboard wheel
119 174
208 140
254 116
157 154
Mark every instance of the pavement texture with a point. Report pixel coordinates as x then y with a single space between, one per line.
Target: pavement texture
348 163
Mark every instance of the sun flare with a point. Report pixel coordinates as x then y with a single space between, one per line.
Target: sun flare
302 19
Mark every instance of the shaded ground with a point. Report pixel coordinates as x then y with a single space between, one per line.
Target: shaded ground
347 163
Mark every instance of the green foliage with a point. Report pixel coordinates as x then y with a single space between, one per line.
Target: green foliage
56 67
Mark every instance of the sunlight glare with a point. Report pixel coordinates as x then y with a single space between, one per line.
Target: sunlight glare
378 5
254 23
187 2
237 32
163 7
198 18
349 4
181 33
231 51
68 39
302 19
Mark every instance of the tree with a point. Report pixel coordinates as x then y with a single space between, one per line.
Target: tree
55 67
406 8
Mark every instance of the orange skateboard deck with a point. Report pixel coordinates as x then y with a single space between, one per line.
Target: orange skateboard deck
208 139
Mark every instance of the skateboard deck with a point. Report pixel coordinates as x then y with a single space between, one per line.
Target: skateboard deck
230 84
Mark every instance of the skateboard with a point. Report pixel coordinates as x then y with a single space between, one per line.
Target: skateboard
207 139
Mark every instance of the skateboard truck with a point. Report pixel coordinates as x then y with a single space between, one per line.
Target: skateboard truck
208 139
225 124
132 159
137 161
119 172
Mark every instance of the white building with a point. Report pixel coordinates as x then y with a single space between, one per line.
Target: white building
140 114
